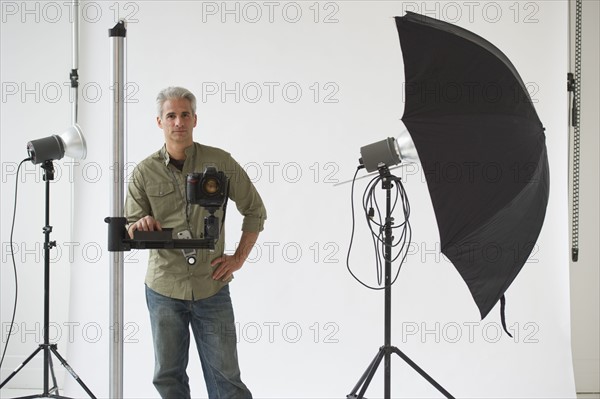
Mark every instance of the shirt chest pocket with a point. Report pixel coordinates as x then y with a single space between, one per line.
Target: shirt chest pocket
164 200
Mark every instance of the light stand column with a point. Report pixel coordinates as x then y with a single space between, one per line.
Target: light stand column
389 239
117 162
385 352
48 168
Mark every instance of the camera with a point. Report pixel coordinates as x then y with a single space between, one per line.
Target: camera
208 189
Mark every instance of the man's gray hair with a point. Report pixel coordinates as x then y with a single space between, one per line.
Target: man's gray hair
171 93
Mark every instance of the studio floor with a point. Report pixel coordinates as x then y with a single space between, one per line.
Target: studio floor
16 393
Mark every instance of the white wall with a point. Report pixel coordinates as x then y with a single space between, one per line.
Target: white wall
306 328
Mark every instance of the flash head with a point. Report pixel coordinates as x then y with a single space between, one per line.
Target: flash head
69 143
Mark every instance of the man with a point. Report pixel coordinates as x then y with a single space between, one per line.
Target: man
180 295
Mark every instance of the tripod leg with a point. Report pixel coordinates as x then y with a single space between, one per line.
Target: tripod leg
422 372
21 366
54 388
71 371
367 376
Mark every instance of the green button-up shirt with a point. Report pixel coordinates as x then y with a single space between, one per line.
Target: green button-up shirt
157 188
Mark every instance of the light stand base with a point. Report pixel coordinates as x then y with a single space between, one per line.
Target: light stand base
387 351
49 392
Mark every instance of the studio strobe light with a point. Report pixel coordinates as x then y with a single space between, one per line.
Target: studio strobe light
69 143
44 151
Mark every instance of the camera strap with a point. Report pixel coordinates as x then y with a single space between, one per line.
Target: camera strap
225 207
178 188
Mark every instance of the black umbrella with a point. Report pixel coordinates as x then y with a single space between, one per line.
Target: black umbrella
482 149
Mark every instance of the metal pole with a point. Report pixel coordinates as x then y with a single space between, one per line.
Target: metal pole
74 78
75 63
117 38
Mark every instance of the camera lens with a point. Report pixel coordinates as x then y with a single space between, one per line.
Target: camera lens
211 185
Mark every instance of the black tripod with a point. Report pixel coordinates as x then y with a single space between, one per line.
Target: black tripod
385 352
47 347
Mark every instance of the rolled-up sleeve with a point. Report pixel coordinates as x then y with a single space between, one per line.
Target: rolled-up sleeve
247 199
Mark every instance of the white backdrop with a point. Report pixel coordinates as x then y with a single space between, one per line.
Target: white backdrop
292 90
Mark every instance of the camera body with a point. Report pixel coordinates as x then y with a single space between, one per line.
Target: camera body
207 189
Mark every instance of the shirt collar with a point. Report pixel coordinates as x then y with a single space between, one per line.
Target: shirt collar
163 154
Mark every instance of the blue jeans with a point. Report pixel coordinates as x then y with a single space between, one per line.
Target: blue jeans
214 331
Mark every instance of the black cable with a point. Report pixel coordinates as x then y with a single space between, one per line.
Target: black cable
352 233
406 234
377 225
369 199
225 208
12 254
405 225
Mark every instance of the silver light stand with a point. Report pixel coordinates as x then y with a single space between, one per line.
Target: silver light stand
117 45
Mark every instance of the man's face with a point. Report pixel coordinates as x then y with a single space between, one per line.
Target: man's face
177 121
